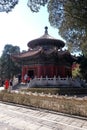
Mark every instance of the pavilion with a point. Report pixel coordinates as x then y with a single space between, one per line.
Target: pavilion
45 58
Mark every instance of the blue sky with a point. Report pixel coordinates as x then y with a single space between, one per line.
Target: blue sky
21 25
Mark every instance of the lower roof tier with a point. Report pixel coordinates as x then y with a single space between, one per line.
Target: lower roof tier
44 57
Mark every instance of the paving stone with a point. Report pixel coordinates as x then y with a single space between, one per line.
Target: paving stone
20 118
44 128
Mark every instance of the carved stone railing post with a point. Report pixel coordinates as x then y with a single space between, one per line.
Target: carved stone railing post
58 77
54 80
41 80
47 80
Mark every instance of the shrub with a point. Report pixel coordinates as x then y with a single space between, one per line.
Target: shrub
65 104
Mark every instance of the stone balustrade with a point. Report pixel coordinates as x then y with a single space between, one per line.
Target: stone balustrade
55 81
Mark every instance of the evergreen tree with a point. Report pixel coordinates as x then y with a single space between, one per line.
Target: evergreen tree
7 5
9 68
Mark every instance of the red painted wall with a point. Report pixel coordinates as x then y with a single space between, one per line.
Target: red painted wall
47 70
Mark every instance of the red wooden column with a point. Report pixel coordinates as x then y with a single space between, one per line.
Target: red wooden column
63 71
51 71
23 73
38 72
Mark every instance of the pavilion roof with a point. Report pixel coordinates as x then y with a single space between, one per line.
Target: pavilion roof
47 40
40 51
27 54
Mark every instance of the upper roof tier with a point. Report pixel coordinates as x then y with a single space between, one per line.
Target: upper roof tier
46 40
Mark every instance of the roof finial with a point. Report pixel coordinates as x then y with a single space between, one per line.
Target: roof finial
46 30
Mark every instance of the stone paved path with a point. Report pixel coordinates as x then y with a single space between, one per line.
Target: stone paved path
19 118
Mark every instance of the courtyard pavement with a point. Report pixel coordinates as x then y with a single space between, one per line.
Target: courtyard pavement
16 117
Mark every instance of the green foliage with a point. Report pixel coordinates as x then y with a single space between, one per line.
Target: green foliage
70 18
7 5
7 67
35 5
76 72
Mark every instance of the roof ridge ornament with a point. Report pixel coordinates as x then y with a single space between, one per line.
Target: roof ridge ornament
46 30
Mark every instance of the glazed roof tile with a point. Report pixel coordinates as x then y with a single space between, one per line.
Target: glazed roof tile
32 53
47 40
29 53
